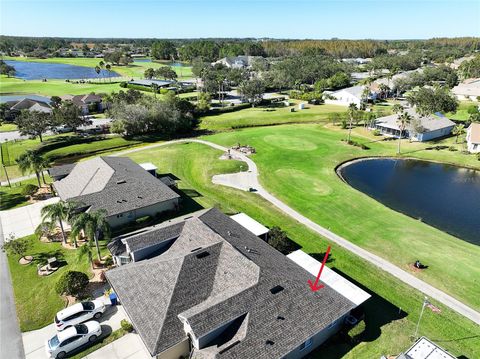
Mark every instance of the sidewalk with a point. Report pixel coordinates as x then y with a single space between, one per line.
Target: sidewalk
129 346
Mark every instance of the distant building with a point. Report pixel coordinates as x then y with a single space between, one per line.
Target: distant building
115 184
346 96
205 287
422 128
424 348
473 138
86 103
457 62
149 83
467 90
239 62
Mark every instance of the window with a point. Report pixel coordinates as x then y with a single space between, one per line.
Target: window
69 340
124 260
306 344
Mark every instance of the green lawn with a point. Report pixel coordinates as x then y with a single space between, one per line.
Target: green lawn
11 197
35 297
297 163
462 114
263 116
391 313
8 127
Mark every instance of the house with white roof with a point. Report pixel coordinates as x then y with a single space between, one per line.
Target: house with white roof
346 96
473 138
424 348
467 90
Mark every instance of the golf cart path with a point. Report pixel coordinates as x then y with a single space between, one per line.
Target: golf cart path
249 179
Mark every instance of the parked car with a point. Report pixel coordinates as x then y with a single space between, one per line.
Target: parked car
72 338
63 129
79 313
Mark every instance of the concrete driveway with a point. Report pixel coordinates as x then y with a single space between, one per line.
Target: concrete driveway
22 221
130 346
34 341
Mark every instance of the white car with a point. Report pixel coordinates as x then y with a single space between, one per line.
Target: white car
79 313
72 338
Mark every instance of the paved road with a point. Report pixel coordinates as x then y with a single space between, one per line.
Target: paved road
10 338
249 179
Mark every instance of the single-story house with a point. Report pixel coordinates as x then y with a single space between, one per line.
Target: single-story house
30 105
115 184
346 96
212 289
86 103
473 138
467 90
148 83
422 128
239 62
424 348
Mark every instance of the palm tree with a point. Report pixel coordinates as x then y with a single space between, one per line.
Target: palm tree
44 229
352 111
154 89
32 161
397 108
457 131
85 250
58 212
101 64
91 223
97 69
402 121
109 69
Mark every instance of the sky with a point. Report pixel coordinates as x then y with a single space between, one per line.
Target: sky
295 19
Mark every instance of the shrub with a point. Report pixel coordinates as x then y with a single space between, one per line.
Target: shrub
126 325
376 132
71 283
29 189
143 220
478 156
123 84
279 240
344 124
17 247
108 261
452 148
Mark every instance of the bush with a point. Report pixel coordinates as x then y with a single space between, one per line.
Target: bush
29 190
307 96
126 325
71 283
376 133
216 111
279 240
123 84
452 148
143 220
108 261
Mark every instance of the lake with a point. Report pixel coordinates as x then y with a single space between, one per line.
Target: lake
43 70
444 196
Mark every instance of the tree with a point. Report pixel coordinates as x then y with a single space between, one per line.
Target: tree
109 69
279 240
85 251
166 72
98 70
457 131
71 283
31 161
428 100
403 120
34 123
69 114
397 108
252 90
92 224
163 50
352 113
149 73
56 101
6 69
18 247
59 212
203 101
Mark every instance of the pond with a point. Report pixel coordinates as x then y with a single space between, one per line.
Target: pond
43 70
444 196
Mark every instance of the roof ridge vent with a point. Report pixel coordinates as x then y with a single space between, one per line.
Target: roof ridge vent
121 181
277 289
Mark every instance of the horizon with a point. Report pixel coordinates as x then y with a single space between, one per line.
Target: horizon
279 20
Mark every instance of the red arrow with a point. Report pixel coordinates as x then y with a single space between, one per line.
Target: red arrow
315 286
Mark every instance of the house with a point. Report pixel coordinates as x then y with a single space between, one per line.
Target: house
346 96
424 348
115 184
473 138
457 62
252 225
467 90
238 62
149 83
422 128
209 288
86 103
30 105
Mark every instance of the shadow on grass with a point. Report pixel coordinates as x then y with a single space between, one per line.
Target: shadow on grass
319 257
378 312
42 257
11 200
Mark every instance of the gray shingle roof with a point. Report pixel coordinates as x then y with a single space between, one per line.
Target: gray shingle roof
428 123
115 184
61 171
217 272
